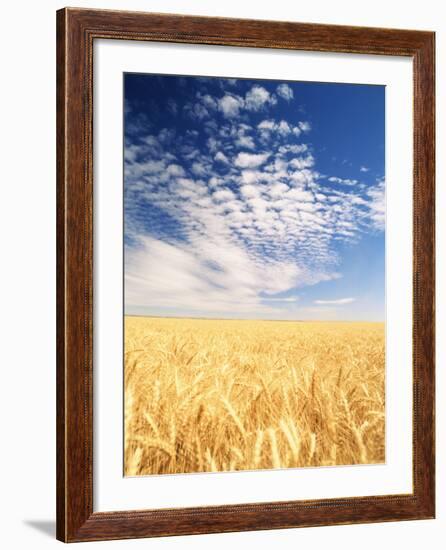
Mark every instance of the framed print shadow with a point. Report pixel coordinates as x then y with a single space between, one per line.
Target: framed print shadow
245 275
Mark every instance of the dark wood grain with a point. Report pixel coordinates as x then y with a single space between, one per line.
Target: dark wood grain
76 31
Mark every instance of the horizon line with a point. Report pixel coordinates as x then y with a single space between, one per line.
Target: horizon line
201 318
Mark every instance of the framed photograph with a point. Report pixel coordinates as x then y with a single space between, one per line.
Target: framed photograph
245 275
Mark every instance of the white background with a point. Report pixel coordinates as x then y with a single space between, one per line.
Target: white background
27 216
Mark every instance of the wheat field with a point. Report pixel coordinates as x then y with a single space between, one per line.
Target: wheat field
223 395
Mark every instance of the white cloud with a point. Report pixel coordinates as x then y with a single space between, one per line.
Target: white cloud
197 111
230 105
212 144
245 142
342 181
199 168
249 191
249 176
256 98
377 205
214 181
302 162
221 157
175 170
284 91
251 160
278 189
211 274
208 101
340 302
299 194
224 195
293 299
266 125
295 149
364 169
305 126
137 170
282 128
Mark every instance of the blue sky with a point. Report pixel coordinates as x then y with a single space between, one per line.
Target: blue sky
254 198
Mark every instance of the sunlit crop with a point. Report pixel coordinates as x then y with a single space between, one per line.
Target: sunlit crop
215 395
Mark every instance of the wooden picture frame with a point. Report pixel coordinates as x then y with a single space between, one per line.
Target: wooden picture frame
76 31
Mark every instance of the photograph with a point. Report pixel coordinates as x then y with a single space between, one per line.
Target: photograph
254 274
245 274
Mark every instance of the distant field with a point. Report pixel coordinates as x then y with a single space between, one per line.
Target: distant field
216 395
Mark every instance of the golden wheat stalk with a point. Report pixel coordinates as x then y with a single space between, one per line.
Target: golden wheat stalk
212 395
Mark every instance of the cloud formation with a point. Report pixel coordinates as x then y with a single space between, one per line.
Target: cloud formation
339 302
377 196
230 214
285 92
